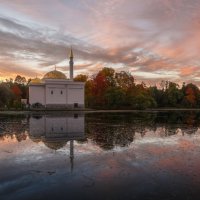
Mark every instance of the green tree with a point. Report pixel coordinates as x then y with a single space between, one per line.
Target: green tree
142 101
6 95
173 94
115 97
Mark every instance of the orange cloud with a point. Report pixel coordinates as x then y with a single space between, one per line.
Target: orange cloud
156 37
188 71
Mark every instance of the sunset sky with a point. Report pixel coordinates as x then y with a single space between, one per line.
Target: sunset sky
152 39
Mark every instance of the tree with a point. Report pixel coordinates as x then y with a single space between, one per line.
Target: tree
191 96
142 101
81 78
124 80
100 83
5 95
173 94
89 97
157 95
115 97
16 91
20 80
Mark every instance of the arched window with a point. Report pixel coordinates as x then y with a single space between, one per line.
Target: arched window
61 92
51 91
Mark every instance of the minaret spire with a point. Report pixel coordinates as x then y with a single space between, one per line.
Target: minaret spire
71 64
71 53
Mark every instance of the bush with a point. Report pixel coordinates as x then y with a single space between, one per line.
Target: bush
37 105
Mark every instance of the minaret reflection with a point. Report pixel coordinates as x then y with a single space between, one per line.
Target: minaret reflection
72 154
56 131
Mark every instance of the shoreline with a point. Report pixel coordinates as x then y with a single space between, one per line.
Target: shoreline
24 112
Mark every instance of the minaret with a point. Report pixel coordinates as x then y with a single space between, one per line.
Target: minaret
71 64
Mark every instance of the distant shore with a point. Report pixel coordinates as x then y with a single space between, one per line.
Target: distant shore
24 112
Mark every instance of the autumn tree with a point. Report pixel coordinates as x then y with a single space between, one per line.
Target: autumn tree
191 96
16 91
124 80
100 83
81 78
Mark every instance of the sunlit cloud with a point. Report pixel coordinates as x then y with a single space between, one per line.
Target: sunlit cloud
152 39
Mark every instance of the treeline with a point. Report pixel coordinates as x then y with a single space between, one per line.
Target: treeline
118 90
12 91
113 90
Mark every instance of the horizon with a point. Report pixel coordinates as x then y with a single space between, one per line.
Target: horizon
153 40
91 77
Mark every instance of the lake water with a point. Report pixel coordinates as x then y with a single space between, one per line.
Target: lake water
138 155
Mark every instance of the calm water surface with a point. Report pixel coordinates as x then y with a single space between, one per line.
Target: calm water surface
152 155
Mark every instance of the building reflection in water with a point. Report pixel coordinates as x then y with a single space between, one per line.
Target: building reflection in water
56 131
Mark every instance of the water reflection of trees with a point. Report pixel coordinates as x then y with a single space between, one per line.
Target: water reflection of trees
118 129
14 127
18 127
109 130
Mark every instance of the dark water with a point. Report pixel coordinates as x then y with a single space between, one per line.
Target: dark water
100 156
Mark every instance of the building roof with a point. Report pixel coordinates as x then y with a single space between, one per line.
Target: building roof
36 81
54 75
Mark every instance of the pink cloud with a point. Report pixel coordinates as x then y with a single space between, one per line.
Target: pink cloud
152 36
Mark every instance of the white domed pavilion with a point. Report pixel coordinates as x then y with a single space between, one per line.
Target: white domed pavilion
54 90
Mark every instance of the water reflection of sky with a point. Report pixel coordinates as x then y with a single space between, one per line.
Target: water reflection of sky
116 156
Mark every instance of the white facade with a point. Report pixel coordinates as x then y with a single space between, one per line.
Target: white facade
57 93
55 90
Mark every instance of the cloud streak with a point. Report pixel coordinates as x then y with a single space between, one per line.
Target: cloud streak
153 39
